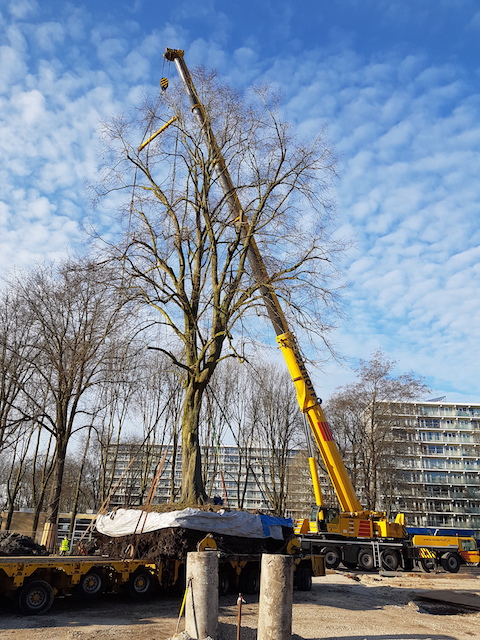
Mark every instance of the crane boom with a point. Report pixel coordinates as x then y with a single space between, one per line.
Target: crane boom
307 399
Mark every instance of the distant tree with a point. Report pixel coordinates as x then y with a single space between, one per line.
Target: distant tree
230 393
184 253
362 423
74 319
278 429
17 350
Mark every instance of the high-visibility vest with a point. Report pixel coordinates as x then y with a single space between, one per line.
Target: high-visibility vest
64 546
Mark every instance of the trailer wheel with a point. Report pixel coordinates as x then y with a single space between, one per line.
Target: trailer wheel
35 598
365 559
427 564
91 585
450 562
332 557
140 584
303 579
390 560
224 582
250 580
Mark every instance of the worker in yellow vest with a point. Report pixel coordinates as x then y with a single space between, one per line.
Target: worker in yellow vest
64 547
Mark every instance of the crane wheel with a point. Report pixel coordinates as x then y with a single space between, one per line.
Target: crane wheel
366 560
332 557
390 560
427 564
450 562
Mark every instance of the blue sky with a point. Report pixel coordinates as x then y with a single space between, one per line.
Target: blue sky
396 82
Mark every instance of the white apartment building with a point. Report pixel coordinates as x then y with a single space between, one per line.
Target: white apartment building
439 463
241 479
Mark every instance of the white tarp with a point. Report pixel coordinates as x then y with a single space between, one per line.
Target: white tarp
123 522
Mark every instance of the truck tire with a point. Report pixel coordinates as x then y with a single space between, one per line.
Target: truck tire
303 579
91 585
250 580
332 557
365 559
427 564
35 597
141 584
390 560
450 562
224 582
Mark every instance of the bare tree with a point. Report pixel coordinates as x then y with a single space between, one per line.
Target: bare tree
363 425
16 353
184 256
278 428
74 319
229 395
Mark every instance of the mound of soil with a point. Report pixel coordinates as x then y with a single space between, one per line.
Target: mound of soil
15 544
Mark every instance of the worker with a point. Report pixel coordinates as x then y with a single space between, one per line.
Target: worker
64 547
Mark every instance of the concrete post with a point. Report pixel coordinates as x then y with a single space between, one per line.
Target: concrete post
201 609
276 598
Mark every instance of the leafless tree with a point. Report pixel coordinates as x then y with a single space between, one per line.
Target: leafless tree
74 319
16 369
182 252
278 428
362 424
229 394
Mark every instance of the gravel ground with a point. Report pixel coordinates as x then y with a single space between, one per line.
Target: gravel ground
341 606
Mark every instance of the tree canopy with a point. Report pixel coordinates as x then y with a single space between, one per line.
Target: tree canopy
182 255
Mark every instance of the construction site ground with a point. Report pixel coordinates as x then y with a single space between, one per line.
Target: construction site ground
341 606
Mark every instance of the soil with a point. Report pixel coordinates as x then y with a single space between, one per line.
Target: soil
15 544
341 606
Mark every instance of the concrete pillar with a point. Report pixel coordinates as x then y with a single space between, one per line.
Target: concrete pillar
276 598
201 608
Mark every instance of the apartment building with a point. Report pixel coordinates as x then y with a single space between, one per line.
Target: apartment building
240 478
438 463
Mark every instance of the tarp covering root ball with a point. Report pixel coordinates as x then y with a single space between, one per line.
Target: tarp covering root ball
233 523
172 534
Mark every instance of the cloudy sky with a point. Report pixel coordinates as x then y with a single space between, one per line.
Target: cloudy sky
397 83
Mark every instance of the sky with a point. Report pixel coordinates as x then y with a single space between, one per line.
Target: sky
396 83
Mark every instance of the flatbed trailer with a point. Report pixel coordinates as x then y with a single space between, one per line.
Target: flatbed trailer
33 582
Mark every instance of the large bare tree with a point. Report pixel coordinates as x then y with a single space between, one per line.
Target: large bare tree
362 422
185 256
75 320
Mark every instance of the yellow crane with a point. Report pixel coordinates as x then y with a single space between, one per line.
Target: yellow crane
351 534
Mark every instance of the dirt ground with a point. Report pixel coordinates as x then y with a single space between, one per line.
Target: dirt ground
341 606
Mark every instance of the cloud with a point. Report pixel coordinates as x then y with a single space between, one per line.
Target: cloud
404 119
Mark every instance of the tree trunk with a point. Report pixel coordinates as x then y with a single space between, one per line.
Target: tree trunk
51 540
193 491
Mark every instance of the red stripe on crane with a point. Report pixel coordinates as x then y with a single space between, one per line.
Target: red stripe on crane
325 431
